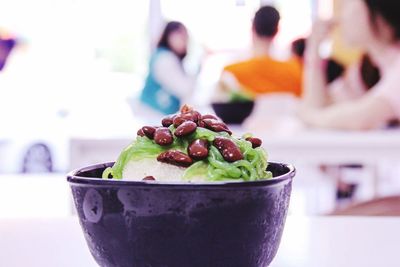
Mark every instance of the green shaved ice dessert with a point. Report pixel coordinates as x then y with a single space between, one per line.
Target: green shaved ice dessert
190 147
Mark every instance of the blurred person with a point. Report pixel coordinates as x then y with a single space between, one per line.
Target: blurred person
298 47
367 96
262 74
333 69
167 84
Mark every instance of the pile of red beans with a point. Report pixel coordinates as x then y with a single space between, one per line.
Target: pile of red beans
186 123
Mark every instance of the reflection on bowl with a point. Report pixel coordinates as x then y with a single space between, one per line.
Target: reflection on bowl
233 113
128 223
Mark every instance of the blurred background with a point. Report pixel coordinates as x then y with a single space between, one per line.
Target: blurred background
72 74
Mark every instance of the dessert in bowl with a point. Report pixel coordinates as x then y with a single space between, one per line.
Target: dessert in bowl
204 198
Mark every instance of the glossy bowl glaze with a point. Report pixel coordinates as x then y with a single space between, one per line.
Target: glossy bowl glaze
147 224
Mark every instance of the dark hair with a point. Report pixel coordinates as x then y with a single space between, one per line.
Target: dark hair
266 20
370 73
171 27
388 10
298 47
333 70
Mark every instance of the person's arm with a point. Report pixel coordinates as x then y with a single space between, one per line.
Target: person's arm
169 72
228 82
369 112
348 87
315 87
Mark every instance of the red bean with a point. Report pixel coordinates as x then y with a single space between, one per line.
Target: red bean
216 126
149 178
149 131
140 132
229 150
163 136
201 123
209 116
190 115
178 120
176 158
186 128
198 149
186 108
167 121
255 142
196 116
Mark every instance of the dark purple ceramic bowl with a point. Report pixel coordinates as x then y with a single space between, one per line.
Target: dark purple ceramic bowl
234 112
222 224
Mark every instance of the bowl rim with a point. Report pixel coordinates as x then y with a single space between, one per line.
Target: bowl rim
74 178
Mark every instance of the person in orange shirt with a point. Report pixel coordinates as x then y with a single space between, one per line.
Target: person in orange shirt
262 74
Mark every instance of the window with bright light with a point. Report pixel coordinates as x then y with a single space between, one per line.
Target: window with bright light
101 33
226 24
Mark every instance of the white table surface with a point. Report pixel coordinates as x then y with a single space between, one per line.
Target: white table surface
335 147
307 242
35 195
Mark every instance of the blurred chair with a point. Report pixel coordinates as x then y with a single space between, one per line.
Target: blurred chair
385 206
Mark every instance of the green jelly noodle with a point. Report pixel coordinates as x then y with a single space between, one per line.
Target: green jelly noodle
214 168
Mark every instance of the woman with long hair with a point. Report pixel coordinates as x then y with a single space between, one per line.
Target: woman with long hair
167 83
